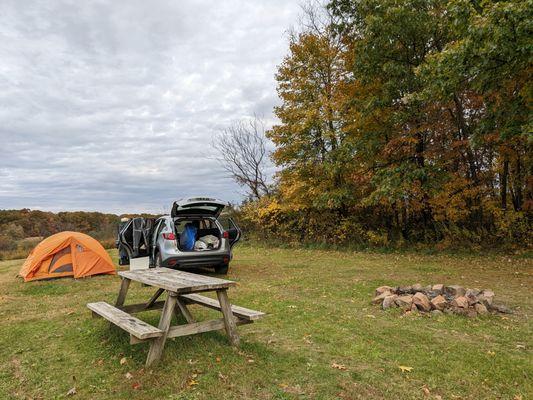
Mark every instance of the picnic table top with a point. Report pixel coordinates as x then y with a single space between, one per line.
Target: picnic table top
176 281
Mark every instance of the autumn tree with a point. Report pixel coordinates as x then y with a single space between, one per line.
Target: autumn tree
492 57
406 116
310 140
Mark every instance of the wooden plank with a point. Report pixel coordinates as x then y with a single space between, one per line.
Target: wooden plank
129 323
185 311
229 319
171 273
153 299
135 308
176 281
124 286
238 311
157 345
198 327
179 284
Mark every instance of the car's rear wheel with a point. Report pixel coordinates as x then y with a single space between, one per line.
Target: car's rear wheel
222 269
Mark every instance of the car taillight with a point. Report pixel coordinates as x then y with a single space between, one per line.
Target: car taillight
169 236
225 235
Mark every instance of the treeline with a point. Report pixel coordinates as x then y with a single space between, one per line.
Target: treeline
404 121
31 223
20 230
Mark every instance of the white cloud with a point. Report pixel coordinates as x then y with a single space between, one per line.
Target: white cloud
112 106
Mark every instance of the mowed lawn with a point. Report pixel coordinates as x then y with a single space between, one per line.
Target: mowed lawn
322 339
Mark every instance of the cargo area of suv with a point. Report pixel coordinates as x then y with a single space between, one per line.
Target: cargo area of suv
205 232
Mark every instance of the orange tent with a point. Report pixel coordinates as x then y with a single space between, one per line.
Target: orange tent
66 254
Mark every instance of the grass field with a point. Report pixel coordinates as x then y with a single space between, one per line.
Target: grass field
321 340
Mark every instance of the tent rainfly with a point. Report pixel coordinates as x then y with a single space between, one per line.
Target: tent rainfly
66 254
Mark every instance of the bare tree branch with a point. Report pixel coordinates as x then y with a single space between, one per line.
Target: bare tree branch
242 149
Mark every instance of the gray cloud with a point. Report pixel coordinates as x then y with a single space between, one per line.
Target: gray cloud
112 106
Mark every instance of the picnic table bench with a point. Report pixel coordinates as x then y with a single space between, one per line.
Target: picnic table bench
182 290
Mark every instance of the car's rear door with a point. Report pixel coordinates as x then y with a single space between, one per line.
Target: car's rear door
155 235
234 232
231 230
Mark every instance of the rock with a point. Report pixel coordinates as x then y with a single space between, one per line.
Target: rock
383 289
389 302
413 308
486 297
500 308
404 301
471 313
460 311
439 303
455 290
405 290
436 312
460 302
431 294
438 288
381 297
421 301
472 296
417 287
480 309
427 289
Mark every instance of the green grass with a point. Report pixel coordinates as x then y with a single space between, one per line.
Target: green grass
319 314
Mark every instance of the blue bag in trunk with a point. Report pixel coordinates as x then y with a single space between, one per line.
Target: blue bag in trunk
188 237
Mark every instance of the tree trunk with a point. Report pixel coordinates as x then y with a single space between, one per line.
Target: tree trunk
503 183
518 185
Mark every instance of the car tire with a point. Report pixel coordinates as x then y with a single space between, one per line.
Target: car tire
158 261
222 269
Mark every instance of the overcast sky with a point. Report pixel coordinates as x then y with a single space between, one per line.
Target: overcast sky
112 105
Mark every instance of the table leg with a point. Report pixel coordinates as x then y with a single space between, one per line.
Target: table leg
153 299
157 344
182 308
124 286
229 320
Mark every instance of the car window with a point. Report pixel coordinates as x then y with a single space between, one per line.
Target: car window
158 226
224 221
179 226
206 223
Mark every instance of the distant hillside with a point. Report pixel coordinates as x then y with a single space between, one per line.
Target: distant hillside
16 225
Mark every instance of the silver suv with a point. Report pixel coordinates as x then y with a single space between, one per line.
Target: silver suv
193 235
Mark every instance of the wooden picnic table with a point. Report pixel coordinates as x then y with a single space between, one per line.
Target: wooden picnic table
182 290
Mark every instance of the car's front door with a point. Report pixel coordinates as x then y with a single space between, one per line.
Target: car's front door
159 225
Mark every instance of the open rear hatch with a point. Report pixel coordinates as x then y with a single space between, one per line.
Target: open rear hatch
197 206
